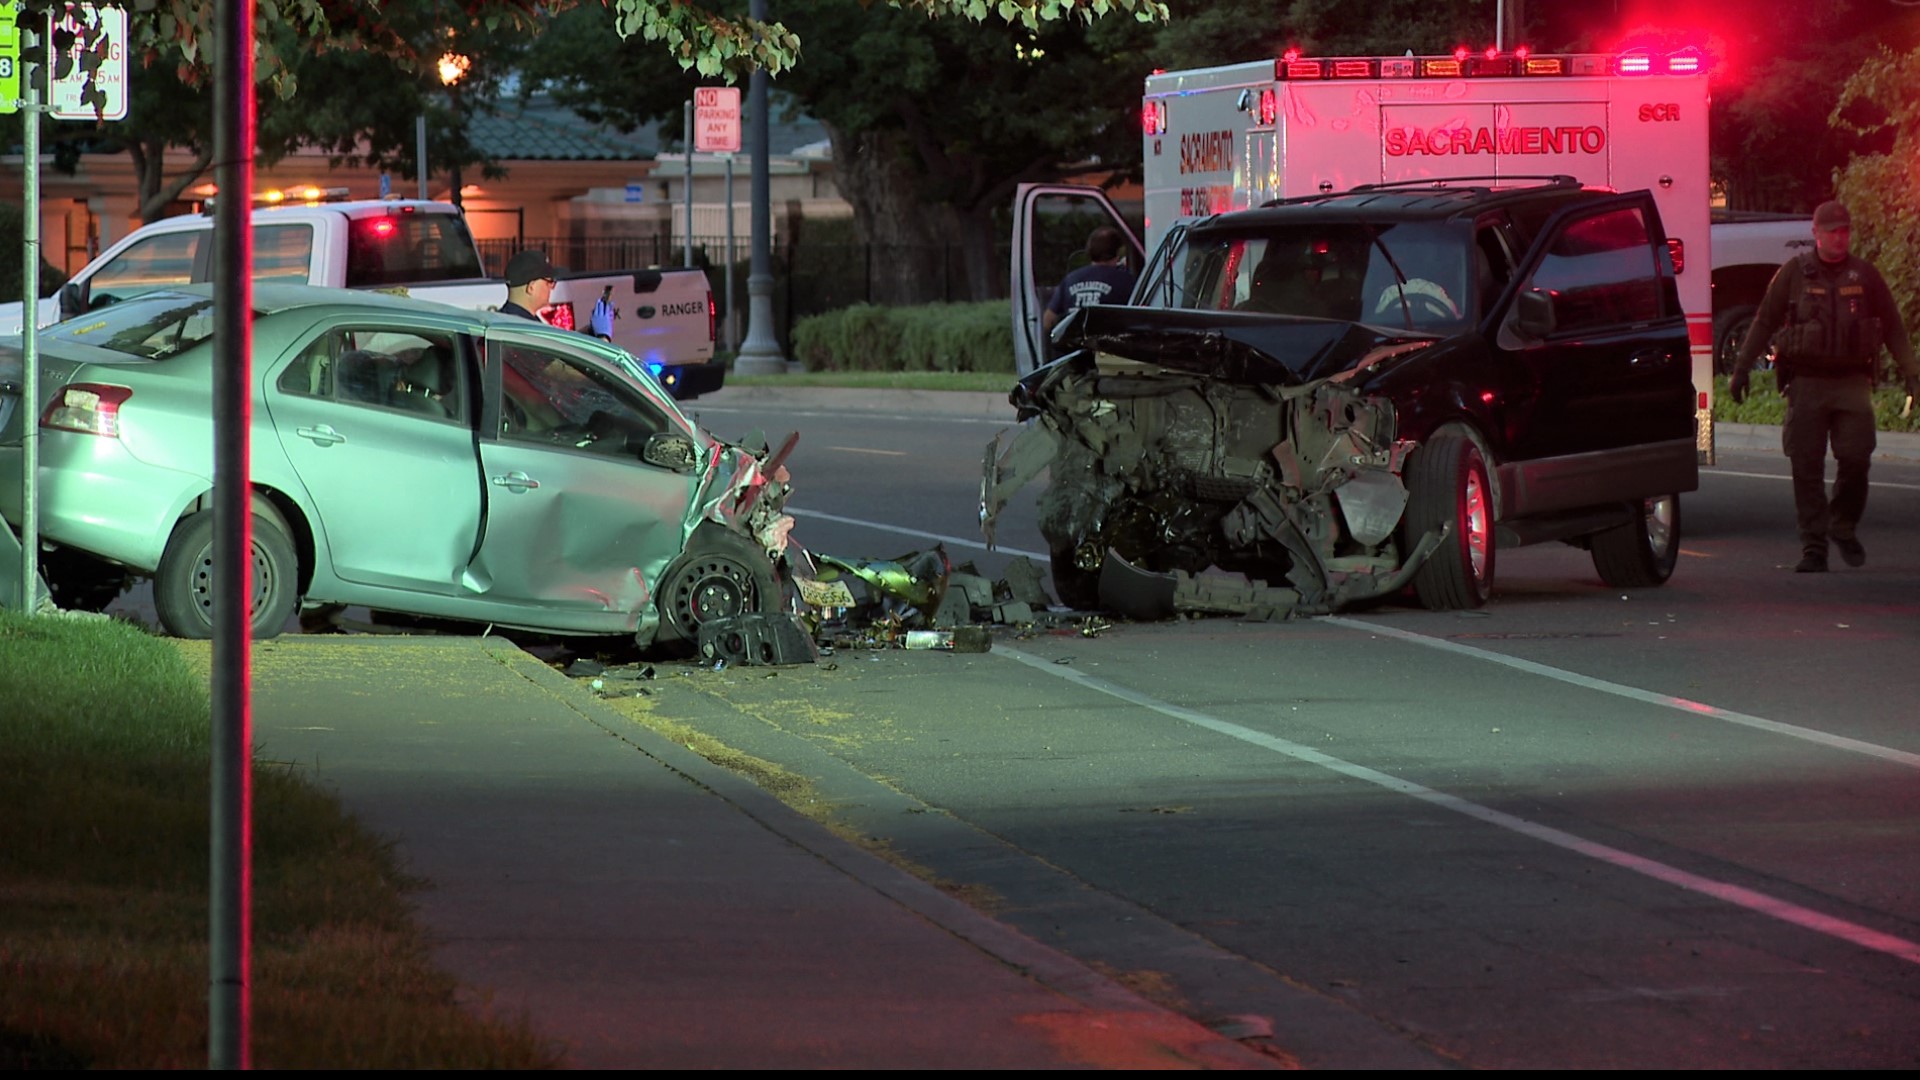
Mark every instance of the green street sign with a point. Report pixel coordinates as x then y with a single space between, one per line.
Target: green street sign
9 58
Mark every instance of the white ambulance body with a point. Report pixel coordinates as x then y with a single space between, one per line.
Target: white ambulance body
1228 138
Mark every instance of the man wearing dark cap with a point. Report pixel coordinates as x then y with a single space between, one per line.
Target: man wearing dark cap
1827 314
529 284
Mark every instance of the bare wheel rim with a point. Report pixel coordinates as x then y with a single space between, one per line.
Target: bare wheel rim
712 588
202 591
1659 519
1474 513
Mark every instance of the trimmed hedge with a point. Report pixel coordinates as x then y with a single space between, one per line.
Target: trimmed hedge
929 337
1766 405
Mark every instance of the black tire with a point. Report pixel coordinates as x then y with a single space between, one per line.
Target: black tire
1729 330
720 574
1641 553
1447 483
183 584
1078 589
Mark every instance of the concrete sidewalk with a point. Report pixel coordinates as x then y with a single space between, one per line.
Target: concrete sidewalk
648 909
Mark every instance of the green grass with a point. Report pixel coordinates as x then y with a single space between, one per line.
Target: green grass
103 884
992 382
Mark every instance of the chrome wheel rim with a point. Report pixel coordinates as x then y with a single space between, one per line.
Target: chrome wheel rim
1659 520
1474 520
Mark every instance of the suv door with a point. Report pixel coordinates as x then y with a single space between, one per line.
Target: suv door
1051 223
1594 336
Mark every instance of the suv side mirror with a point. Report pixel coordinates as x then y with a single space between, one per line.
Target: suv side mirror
1534 313
670 450
73 300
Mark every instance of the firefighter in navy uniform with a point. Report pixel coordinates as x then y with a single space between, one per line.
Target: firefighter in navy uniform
1827 314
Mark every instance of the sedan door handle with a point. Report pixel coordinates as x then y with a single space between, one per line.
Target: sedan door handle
516 480
324 435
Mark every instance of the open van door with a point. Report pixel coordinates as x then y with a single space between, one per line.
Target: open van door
1051 223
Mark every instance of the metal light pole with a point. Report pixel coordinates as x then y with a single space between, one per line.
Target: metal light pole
760 353
230 915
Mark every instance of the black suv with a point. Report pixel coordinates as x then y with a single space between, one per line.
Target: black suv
1342 395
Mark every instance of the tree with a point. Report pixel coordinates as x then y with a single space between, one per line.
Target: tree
1882 188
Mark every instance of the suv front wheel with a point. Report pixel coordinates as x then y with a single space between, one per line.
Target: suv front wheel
1447 484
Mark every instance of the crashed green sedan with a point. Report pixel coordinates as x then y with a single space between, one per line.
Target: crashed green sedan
406 457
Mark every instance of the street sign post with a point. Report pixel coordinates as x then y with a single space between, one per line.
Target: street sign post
716 119
86 91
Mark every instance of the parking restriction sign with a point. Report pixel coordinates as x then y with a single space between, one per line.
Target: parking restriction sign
716 119
99 93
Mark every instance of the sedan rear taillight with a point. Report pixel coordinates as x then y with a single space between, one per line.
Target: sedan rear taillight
88 408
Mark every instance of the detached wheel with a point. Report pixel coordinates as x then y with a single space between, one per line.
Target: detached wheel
1643 552
1447 484
183 585
720 575
1729 330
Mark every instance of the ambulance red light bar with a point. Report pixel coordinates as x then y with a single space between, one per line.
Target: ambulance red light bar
1488 63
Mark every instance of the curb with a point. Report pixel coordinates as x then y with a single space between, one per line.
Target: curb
1888 445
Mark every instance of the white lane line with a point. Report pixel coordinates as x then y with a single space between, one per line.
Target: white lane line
1694 708
1776 476
868 450
1787 912
951 541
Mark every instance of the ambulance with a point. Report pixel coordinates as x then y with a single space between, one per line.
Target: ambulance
1238 136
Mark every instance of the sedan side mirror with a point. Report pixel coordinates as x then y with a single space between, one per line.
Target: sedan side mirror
73 300
1534 313
671 450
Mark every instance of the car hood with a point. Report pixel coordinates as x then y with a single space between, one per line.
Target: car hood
1238 347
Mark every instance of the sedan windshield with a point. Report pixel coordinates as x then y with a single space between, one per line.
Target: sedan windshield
1410 275
155 326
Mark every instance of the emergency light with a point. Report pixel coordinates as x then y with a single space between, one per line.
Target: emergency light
1490 63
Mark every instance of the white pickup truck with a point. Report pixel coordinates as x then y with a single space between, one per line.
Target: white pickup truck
418 248
1748 247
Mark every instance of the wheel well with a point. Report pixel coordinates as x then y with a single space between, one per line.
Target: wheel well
274 504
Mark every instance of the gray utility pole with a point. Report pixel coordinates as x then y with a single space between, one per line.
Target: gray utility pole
686 131
230 910
420 152
30 586
760 353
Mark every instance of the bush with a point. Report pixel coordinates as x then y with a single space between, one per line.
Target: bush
10 269
1766 405
929 337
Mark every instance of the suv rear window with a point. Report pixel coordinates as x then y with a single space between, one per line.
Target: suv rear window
155 326
408 249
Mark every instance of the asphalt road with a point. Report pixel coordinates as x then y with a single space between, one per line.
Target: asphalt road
1582 828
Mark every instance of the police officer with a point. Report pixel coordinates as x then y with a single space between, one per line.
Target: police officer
529 284
1827 314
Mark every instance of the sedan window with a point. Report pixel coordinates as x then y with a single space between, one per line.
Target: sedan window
557 399
155 326
390 369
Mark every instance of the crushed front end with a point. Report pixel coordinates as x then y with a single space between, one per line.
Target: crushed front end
1159 474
